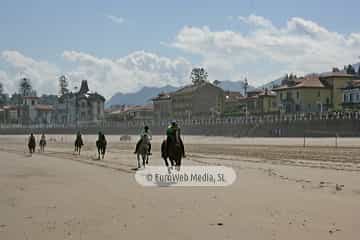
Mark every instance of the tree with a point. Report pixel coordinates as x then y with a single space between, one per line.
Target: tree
216 82
335 69
25 87
198 75
350 69
63 85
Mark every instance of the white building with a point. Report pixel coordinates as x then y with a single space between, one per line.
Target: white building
80 107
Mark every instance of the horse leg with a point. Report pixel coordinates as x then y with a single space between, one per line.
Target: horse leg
143 159
166 162
103 152
138 160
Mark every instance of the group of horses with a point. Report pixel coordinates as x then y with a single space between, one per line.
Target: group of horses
171 151
32 145
100 145
172 154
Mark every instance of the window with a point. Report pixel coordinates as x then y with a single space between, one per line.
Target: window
297 95
318 94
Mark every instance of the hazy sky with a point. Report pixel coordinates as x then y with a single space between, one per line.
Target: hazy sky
124 45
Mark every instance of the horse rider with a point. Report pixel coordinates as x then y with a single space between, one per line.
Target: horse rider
79 138
173 132
32 141
144 132
101 137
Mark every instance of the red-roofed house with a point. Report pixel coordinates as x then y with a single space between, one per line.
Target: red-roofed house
308 94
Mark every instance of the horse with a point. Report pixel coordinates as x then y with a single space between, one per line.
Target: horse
78 144
32 144
173 152
42 144
143 151
101 147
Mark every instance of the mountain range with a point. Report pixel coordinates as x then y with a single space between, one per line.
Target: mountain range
144 95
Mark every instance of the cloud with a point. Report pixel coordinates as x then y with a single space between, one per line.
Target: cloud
267 51
262 54
257 21
117 20
43 75
106 76
128 73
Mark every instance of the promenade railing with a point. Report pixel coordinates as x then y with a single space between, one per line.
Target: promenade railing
239 120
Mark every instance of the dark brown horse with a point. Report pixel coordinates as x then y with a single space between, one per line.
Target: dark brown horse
32 144
101 146
78 144
173 153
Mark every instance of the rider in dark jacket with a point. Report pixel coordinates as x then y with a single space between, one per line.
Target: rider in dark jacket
101 137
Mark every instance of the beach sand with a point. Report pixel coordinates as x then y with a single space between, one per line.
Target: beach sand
282 191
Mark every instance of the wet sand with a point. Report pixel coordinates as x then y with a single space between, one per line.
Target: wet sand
282 191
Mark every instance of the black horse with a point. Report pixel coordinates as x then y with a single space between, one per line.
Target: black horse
101 146
173 152
78 143
32 144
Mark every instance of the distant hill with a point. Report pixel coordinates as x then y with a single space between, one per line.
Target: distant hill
237 86
140 97
270 85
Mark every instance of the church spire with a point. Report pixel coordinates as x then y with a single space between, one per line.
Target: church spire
84 87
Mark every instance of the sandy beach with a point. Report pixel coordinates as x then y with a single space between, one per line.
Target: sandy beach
283 190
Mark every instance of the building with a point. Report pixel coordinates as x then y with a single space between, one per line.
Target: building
351 95
9 114
336 81
162 107
232 103
34 113
313 93
259 102
132 113
307 94
202 100
82 107
195 101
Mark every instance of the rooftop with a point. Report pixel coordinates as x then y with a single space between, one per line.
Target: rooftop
312 81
